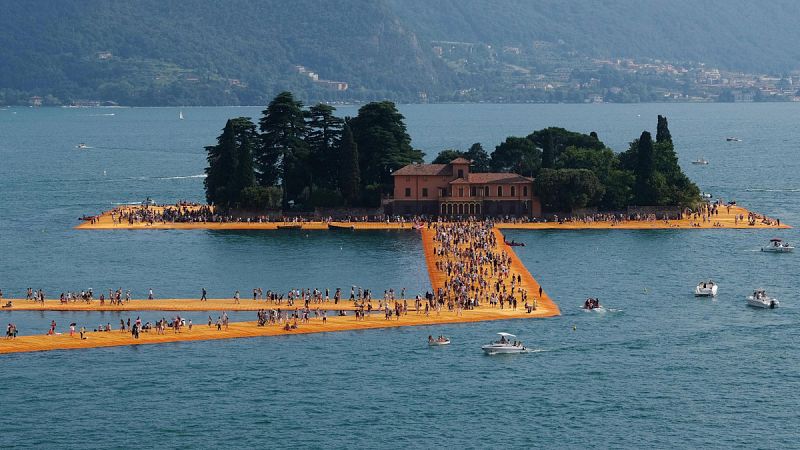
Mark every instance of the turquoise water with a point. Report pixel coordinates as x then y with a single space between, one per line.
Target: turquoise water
660 369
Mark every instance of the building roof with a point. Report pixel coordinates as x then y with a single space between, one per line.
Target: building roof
460 161
425 169
492 178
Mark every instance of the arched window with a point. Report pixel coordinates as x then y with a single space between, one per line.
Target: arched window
461 209
444 209
472 209
513 191
478 209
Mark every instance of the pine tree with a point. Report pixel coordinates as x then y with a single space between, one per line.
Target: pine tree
349 172
324 135
479 157
283 154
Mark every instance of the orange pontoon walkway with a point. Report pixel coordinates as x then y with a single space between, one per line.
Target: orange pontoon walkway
250 329
174 304
726 219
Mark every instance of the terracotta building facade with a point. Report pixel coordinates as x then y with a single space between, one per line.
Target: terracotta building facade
452 190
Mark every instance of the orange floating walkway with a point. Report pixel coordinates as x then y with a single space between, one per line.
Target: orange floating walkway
545 307
172 304
251 329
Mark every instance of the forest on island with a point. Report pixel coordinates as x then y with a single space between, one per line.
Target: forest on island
299 157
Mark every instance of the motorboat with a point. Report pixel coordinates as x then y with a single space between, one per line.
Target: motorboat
82 146
706 289
700 162
441 340
593 304
506 344
760 299
777 246
733 139
705 195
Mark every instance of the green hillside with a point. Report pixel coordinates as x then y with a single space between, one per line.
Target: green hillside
195 52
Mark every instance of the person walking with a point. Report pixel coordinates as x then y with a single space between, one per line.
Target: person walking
203 295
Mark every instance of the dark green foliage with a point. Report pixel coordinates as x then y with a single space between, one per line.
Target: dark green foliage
645 188
262 198
568 189
383 143
349 172
518 155
230 163
554 140
323 139
480 159
447 155
662 130
284 152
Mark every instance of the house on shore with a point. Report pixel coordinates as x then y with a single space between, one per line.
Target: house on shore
452 190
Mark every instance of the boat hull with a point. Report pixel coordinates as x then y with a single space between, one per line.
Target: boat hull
770 303
502 349
438 343
705 292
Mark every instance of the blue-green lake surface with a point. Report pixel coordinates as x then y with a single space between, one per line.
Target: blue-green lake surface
659 369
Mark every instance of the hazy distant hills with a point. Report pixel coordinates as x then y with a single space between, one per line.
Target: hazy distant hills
186 52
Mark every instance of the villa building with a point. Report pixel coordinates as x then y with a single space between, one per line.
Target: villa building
452 190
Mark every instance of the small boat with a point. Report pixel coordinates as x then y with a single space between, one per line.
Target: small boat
504 345
705 195
180 115
700 162
593 304
81 146
293 226
85 217
706 289
777 246
733 139
760 299
441 340
515 244
341 227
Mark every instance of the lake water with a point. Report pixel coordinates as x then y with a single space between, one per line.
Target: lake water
661 369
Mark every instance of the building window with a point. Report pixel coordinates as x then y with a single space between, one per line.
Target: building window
499 191
424 192
460 173
513 191
524 191
460 192
408 192
486 191
473 191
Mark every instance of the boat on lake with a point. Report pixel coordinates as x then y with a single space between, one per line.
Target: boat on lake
441 340
504 345
514 243
777 246
733 139
593 304
706 289
700 162
760 299
341 227
81 146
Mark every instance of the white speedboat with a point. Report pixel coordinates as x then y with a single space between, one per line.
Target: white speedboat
706 289
441 340
733 139
700 162
760 299
777 246
506 344
81 146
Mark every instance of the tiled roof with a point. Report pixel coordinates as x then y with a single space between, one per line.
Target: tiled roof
425 169
460 161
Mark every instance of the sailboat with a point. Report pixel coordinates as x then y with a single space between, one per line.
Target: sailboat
180 115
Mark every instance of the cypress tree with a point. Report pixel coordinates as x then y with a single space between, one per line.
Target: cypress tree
350 173
230 163
645 169
662 131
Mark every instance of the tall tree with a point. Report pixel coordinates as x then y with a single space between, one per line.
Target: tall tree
349 171
479 157
230 163
283 154
662 130
323 138
518 155
554 140
383 143
447 155
645 170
